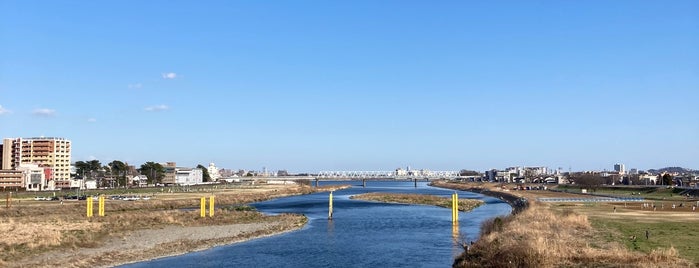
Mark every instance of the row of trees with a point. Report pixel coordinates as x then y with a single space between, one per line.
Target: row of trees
594 179
155 172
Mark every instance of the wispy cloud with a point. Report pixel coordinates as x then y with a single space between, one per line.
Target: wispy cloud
91 120
44 112
156 108
4 111
136 86
169 75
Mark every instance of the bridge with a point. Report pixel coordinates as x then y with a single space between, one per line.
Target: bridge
417 174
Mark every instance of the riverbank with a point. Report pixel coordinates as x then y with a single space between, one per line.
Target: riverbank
148 244
549 235
47 234
518 203
420 199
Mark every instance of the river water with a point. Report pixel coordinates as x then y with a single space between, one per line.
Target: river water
361 234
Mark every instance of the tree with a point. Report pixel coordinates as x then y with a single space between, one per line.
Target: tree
530 175
87 169
153 171
589 180
94 165
205 171
82 168
466 172
118 169
667 179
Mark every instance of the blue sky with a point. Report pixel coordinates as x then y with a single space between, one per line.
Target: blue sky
357 85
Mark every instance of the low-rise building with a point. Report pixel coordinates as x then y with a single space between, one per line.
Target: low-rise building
648 179
170 173
90 184
189 176
139 180
34 177
11 179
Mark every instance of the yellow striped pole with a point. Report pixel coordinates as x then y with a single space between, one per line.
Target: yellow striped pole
89 206
100 206
456 206
211 206
203 207
453 207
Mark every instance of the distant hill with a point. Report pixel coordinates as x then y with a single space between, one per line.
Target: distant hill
672 170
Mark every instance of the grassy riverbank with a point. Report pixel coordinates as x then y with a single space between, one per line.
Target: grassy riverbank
46 233
579 235
422 199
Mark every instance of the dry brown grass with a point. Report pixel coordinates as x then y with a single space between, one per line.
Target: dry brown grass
423 199
538 237
32 228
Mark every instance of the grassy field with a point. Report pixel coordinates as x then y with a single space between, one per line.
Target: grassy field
588 234
659 193
682 236
676 228
423 199
34 227
668 228
146 191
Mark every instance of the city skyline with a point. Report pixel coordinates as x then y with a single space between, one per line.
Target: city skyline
309 86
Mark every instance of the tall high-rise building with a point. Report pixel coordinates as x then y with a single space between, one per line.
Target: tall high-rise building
46 152
620 168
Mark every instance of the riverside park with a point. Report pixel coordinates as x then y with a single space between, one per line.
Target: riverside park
559 226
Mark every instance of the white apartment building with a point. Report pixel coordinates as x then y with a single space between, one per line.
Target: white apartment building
213 172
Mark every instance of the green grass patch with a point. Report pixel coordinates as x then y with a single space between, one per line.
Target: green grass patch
681 235
664 193
422 199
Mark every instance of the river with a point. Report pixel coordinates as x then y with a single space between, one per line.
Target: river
361 234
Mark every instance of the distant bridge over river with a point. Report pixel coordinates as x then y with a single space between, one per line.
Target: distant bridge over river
379 175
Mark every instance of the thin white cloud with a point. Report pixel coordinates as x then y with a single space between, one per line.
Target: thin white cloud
136 86
4 111
91 120
156 108
169 75
44 112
